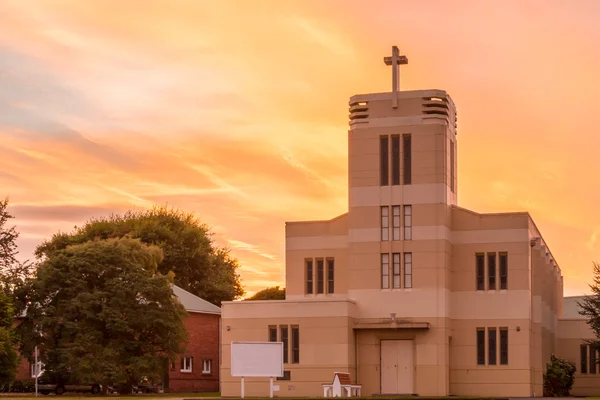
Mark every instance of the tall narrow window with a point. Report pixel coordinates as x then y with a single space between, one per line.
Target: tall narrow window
492 346
491 271
285 340
583 355
385 223
406 166
407 222
330 276
272 334
383 160
407 270
385 271
503 346
320 276
480 346
295 345
396 270
503 271
396 222
452 166
593 361
395 160
309 277
480 271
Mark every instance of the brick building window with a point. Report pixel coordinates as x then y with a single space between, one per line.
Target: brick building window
503 271
395 160
492 348
385 223
295 345
385 271
396 270
383 161
330 275
503 346
272 334
284 338
491 271
309 276
186 363
407 222
206 366
406 159
480 346
583 356
320 276
480 271
396 222
408 270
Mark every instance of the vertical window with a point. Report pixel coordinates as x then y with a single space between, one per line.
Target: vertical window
295 345
593 360
407 222
186 364
385 271
383 160
406 149
395 160
284 340
396 270
396 222
272 334
492 346
385 223
452 166
480 346
330 276
503 346
480 271
320 276
583 356
309 276
491 271
206 366
503 271
407 270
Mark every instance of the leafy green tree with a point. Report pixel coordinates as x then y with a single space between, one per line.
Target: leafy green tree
200 267
559 377
8 353
101 312
270 293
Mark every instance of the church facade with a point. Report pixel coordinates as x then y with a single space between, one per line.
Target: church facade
407 291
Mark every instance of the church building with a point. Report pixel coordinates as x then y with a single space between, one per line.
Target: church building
407 291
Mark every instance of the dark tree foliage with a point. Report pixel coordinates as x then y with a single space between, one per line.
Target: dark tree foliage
101 313
8 353
590 305
559 377
200 267
270 293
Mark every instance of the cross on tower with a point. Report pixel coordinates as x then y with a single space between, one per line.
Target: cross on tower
395 61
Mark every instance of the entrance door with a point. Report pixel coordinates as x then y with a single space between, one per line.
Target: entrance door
397 366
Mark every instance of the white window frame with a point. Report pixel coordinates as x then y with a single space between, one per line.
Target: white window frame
187 364
206 366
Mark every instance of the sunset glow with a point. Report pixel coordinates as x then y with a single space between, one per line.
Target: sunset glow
238 111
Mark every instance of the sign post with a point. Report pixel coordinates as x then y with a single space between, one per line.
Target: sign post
257 359
36 369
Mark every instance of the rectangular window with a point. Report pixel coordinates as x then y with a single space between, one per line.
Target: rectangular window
320 276
492 346
503 271
593 360
385 223
396 270
396 222
407 270
295 345
206 366
491 271
452 166
407 222
395 160
385 271
384 161
583 356
309 277
503 346
480 346
406 148
330 275
480 271
186 364
272 334
285 340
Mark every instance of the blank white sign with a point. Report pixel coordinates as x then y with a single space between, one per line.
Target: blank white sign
257 359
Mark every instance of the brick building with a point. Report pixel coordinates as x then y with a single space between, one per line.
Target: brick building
197 368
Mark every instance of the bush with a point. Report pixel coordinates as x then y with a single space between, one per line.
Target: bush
19 386
558 378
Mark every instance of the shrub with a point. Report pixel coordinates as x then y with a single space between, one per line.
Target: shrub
558 378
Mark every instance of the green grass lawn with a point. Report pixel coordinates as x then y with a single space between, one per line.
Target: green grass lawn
165 396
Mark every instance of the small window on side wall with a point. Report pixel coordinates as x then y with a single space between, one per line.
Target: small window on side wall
186 364
206 366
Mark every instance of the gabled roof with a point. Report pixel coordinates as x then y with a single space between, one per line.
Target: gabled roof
571 308
193 303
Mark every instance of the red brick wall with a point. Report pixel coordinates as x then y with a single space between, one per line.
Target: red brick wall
203 331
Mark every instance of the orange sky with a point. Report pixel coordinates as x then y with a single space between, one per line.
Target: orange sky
237 110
